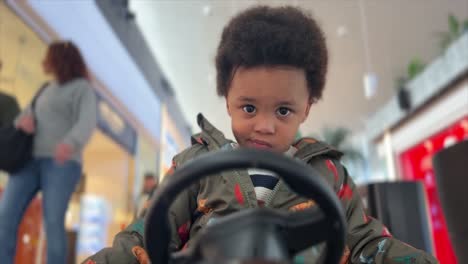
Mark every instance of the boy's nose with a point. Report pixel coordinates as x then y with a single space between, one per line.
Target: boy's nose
265 125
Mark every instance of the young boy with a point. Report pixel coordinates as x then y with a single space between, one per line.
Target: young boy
271 65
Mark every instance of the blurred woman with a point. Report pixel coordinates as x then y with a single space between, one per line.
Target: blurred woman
62 122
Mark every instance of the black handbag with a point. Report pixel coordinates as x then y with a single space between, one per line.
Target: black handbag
15 144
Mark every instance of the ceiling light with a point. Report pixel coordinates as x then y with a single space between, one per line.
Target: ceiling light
370 84
342 31
207 10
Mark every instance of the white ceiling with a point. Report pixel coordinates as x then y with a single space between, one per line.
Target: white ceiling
184 40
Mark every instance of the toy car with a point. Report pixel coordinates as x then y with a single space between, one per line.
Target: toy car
257 235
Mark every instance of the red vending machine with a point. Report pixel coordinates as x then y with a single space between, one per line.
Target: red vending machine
416 165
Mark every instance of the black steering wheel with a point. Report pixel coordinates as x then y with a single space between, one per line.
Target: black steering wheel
255 234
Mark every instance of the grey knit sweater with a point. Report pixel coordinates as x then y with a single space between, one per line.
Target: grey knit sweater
64 114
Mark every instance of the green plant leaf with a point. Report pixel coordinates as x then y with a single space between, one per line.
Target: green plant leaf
454 26
352 154
415 67
337 138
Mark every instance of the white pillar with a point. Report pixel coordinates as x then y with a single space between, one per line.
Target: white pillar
389 156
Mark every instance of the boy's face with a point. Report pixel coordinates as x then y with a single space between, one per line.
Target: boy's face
267 105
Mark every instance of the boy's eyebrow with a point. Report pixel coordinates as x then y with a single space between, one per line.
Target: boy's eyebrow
246 99
286 103
252 100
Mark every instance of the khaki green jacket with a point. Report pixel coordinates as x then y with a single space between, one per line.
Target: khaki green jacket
368 241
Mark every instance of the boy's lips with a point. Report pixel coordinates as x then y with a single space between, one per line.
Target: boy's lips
258 144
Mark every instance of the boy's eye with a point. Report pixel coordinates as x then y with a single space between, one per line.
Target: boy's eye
283 111
249 109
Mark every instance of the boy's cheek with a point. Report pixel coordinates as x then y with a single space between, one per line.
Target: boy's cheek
239 131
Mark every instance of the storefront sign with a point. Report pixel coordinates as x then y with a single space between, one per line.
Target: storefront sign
115 126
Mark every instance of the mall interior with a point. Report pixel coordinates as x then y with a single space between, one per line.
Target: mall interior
396 96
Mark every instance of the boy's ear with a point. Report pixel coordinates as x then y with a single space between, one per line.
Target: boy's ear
227 106
307 111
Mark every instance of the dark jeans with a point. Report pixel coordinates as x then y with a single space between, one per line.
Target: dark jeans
57 183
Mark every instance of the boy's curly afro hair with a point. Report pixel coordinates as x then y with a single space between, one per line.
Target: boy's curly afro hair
273 36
